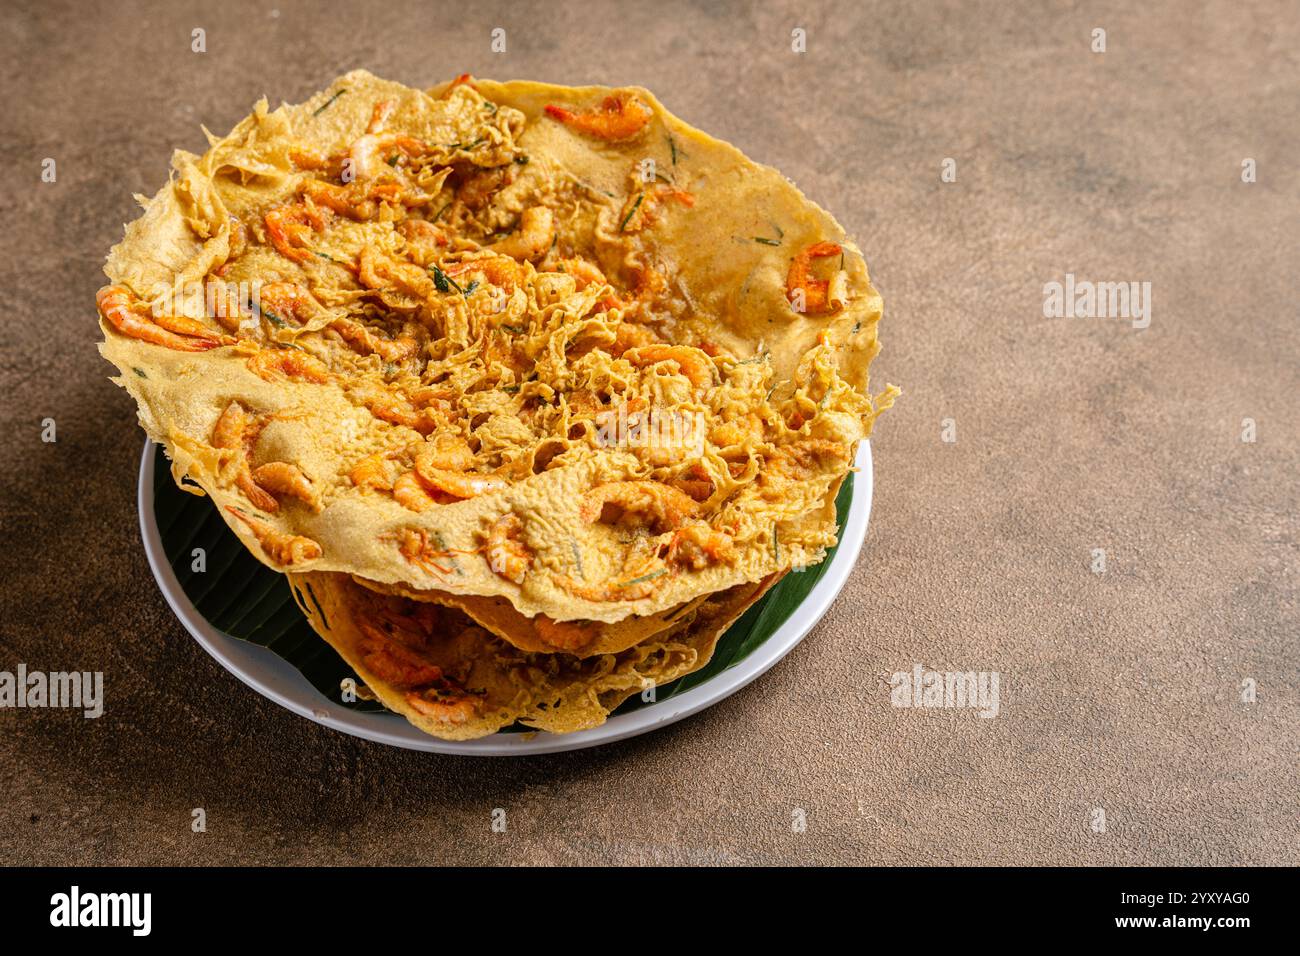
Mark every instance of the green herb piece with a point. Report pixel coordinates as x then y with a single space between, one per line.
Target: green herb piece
672 146
325 622
325 255
139 371
522 160
444 282
328 103
631 212
767 242
645 577
441 542
469 289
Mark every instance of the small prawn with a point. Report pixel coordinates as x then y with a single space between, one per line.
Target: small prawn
235 432
697 546
283 549
507 555
409 492
620 116
415 546
455 708
444 468
363 340
500 270
122 310
655 505
290 228
293 364
391 408
640 209
380 272
630 335
584 273
371 472
810 295
465 79
737 431
532 239
694 364
357 200
283 479
392 661
570 636
457 484
369 155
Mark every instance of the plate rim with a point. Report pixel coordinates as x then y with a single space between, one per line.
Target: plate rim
393 730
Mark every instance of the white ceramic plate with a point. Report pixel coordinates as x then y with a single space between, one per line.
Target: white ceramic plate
271 676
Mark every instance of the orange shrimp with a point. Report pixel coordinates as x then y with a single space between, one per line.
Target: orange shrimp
444 469
499 270
371 472
363 340
630 335
234 431
620 116
532 239
392 661
647 503
409 492
290 228
465 79
640 208
293 364
122 310
356 200
804 290
283 549
694 364
507 555
588 273
284 479
444 707
697 546
392 408
378 271
457 484
430 557
570 636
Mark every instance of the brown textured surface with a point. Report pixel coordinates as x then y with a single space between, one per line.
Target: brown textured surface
1119 691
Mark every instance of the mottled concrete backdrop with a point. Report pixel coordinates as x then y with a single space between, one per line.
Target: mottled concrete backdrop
1121 692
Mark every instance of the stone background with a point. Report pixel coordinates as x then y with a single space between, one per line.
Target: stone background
1120 691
